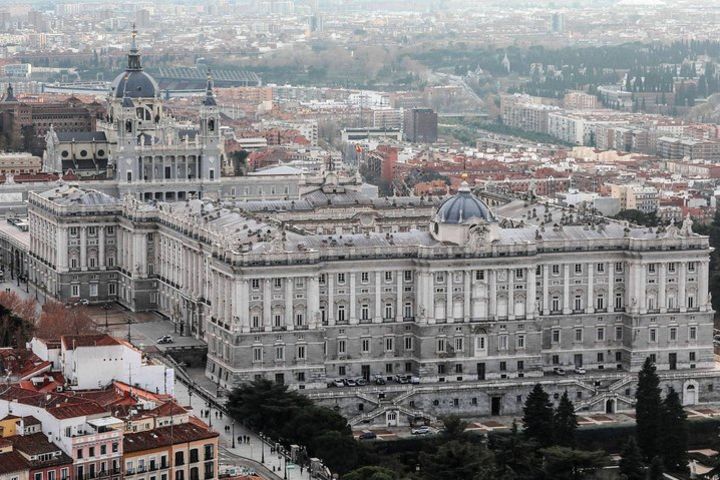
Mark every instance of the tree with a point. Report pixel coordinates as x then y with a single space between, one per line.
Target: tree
656 471
265 406
454 426
57 320
647 410
674 440
538 416
562 463
456 460
339 452
23 308
371 473
565 422
14 331
631 464
515 457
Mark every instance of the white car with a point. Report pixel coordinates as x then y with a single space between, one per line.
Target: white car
580 370
559 371
339 383
424 430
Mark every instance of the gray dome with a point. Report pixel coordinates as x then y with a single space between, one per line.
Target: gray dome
462 207
135 84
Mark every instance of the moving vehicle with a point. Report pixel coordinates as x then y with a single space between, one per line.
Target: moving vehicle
165 339
423 430
368 435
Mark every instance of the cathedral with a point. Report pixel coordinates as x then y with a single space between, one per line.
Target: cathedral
139 146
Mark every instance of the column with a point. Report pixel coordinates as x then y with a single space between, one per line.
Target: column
83 248
662 279
244 306
511 293
630 300
421 295
331 298
267 305
566 289
399 307
611 287
449 314
682 295
641 287
546 289
467 296
377 315
101 247
703 271
531 293
353 300
62 249
313 302
289 303
430 296
492 304
590 307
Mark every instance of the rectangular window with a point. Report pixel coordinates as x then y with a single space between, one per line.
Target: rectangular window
458 368
618 267
75 290
408 343
257 354
480 275
556 336
520 365
692 356
601 334
618 333
341 278
600 357
277 282
600 302
389 347
364 312
459 344
503 366
671 267
653 335
521 341
342 347
408 275
255 283
691 266
578 268
301 352
502 342
388 276
441 345
322 279
578 334
408 313
673 334
365 345
519 273
651 268
692 333
556 359
364 277
556 269
600 267
280 353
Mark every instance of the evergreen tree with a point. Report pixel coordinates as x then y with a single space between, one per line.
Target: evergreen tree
538 416
565 422
631 465
647 410
656 469
674 440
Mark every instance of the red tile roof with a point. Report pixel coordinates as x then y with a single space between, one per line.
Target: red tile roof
166 436
71 342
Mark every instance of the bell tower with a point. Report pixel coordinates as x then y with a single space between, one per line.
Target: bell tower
210 140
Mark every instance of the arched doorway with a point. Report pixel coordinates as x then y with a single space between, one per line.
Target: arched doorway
610 405
690 393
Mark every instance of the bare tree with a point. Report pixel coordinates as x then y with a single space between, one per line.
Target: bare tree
57 320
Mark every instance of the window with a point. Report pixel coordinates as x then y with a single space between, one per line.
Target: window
408 313
299 319
439 277
209 451
556 336
502 342
692 333
388 276
503 366
618 267
458 368
110 230
600 357
556 359
556 269
389 347
519 273
600 268
618 301
671 267
277 320
480 275
520 365
301 352
365 312
673 334
257 354
341 370
441 345
255 283
73 263
578 303
600 302
80 453
653 357
322 279
342 347
388 311
194 455
179 458
75 291
651 268
365 345
618 333
280 352
691 266
578 268
103 449
692 356
600 334
364 277
691 302
578 334
277 282
653 335
92 262
301 376
408 275
459 344
388 368
521 341
38 476
341 313
341 278
408 343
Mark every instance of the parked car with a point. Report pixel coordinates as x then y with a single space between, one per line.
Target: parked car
361 382
423 430
368 435
165 339
402 378
350 382
379 380
338 383
415 380
559 371
84 301
580 370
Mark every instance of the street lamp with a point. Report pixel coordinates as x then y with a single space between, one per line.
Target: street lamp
285 474
262 445
190 389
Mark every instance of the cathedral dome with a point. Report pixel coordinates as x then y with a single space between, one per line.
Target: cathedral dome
463 207
133 82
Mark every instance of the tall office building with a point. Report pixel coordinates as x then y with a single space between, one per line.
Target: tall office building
420 125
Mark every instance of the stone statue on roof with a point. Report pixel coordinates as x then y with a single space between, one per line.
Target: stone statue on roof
686 228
